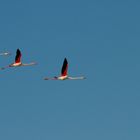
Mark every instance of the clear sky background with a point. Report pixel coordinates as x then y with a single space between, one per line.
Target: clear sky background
100 40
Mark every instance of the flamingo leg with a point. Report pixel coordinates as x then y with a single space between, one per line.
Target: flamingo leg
77 78
29 64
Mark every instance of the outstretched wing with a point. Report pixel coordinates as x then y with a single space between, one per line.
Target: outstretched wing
18 56
64 68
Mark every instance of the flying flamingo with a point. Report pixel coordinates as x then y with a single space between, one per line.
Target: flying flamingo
64 73
18 62
4 53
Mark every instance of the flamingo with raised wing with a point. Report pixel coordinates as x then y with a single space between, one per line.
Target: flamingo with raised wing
64 73
18 62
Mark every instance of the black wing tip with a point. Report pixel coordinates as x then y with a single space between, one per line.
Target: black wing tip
18 50
65 60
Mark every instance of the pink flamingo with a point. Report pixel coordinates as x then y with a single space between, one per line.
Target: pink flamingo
64 73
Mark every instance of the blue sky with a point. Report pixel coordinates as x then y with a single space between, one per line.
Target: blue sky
100 40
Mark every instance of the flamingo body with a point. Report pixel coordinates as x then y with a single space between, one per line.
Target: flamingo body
15 64
62 77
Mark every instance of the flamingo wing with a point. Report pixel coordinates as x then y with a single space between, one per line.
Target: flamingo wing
64 68
18 56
